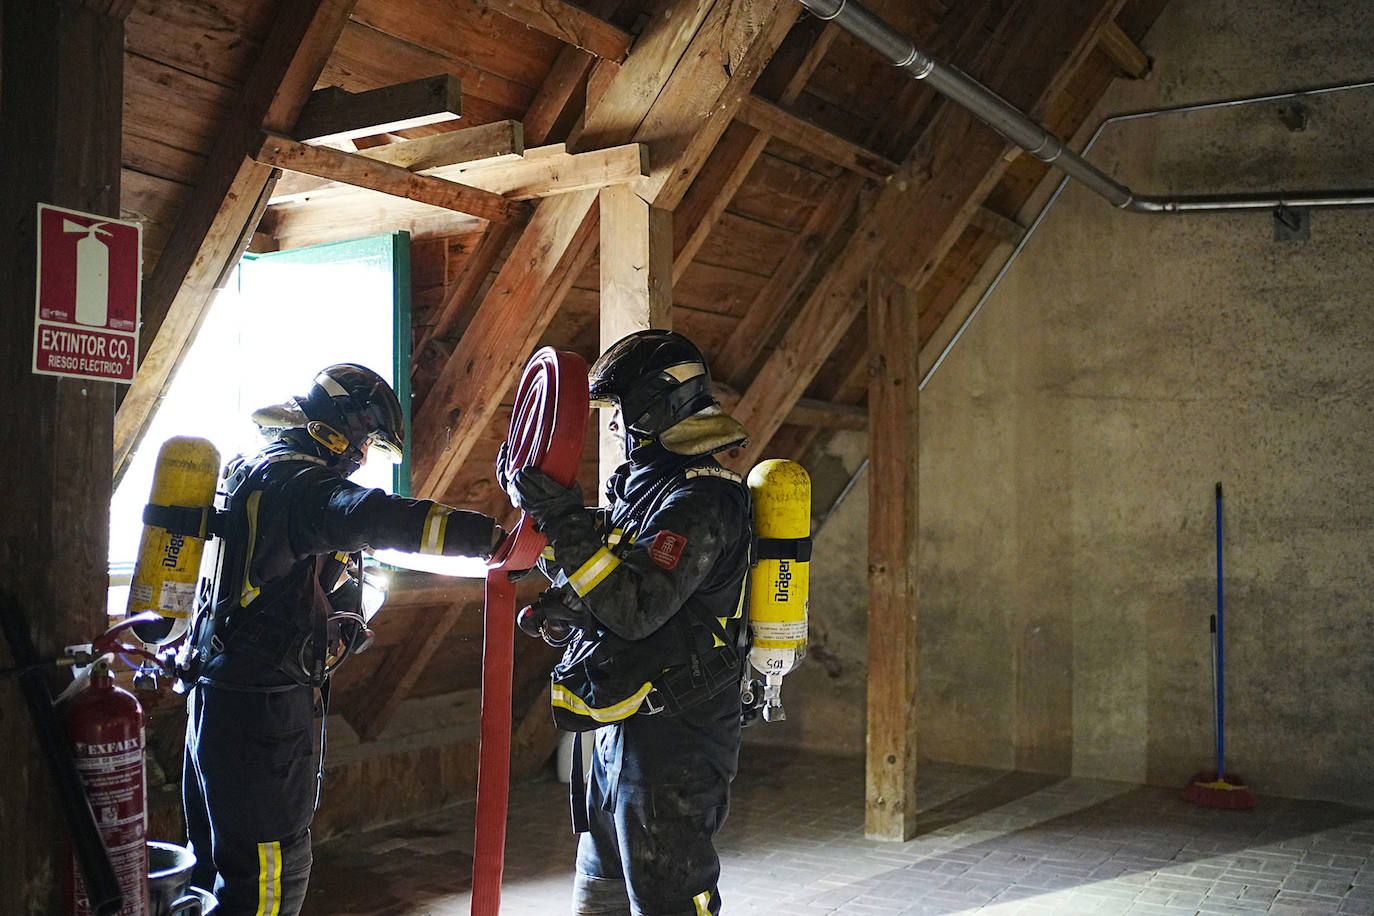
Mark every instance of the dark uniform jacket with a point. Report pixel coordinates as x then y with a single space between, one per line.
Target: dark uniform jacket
286 512
670 551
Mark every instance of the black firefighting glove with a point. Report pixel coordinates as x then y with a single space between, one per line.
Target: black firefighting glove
543 498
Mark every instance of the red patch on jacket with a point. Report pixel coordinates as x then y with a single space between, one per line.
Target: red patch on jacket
667 549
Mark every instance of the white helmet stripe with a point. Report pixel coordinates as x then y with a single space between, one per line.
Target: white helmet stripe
684 371
330 385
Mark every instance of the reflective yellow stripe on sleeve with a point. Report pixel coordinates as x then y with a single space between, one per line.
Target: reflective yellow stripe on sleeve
269 879
590 573
436 523
702 902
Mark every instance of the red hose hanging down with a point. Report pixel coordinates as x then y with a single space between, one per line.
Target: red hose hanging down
548 430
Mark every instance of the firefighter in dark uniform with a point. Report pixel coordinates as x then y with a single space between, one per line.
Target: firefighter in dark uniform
268 641
660 574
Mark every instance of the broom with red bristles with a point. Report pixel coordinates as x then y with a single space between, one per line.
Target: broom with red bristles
1218 790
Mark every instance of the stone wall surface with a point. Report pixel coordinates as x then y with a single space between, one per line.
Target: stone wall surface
1073 440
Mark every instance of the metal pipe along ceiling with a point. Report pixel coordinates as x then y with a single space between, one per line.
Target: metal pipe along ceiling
1016 126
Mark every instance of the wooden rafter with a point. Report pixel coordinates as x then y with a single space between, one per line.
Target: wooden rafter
568 23
213 225
494 142
402 667
777 122
939 185
503 180
740 146
374 175
646 94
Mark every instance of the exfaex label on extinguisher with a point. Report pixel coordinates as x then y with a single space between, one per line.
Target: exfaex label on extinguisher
87 296
105 726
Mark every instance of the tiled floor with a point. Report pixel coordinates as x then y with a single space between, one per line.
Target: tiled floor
989 842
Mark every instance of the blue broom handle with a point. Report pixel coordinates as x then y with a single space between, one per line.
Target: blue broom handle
1221 666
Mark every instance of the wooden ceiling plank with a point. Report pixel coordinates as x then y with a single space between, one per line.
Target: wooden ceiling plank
561 237
1125 53
210 228
568 23
498 141
461 291
740 147
703 96
334 114
351 169
504 331
764 314
777 122
566 76
940 185
402 667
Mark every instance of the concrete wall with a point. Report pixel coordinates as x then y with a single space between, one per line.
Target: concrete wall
1073 439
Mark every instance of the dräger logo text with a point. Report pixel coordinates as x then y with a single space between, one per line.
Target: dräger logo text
783 584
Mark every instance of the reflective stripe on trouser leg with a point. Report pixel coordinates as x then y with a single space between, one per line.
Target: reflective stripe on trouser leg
269 879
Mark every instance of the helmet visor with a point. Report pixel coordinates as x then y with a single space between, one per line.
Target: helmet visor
383 447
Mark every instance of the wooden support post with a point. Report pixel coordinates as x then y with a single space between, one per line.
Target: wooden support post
60 117
894 448
636 280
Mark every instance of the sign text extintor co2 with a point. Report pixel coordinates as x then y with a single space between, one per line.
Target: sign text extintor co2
89 284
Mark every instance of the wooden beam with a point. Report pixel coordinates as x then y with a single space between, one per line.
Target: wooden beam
1124 53
559 238
807 411
1002 228
894 537
939 186
451 312
568 23
719 69
540 172
764 314
777 122
740 147
403 666
549 170
332 114
212 224
370 174
497 142
636 282
61 93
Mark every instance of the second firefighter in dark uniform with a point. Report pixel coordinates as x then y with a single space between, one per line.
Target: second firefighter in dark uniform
651 591
268 640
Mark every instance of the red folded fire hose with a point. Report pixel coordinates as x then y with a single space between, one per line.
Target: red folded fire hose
548 430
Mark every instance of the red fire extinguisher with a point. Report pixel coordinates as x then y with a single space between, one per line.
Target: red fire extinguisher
105 724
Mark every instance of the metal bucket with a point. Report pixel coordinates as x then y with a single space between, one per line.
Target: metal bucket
169 880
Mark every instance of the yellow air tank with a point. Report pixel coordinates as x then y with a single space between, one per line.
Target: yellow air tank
779 584
168 567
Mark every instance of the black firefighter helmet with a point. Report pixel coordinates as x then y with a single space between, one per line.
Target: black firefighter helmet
350 411
660 382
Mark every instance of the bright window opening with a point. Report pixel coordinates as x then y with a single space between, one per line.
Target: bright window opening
282 318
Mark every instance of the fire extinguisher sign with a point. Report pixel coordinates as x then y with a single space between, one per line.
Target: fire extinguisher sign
89 284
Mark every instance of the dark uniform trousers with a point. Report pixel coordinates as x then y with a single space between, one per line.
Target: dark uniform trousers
658 793
249 796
